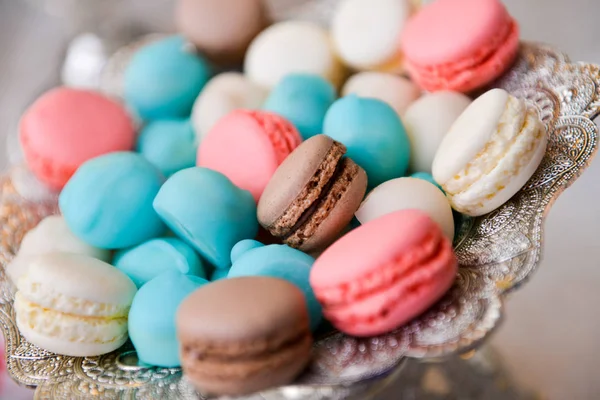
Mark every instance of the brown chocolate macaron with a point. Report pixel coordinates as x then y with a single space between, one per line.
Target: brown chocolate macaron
221 29
313 195
243 335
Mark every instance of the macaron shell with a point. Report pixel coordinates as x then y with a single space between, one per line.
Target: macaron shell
221 29
408 193
223 94
364 278
292 47
66 127
291 178
411 297
451 30
396 91
366 32
426 133
340 216
247 151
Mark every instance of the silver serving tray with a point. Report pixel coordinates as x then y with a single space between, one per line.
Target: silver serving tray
497 252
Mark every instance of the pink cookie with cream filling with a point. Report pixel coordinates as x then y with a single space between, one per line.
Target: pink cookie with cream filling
66 127
247 147
384 273
460 45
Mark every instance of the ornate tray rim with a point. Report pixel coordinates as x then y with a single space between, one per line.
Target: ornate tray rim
567 96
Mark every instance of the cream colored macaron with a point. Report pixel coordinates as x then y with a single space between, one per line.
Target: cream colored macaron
396 91
49 236
366 33
74 305
490 152
290 47
223 94
408 193
427 121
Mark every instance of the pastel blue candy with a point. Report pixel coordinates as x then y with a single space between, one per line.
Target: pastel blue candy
146 261
219 274
242 247
169 145
152 317
280 261
163 79
374 135
303 99
204 208
426 177
108 201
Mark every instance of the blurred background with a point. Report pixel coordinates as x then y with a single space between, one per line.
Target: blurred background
550 339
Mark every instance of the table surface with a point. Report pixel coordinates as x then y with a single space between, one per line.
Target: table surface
550 338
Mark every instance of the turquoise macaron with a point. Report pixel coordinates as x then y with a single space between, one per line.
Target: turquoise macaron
145 261
373 134
168 144
205 209
151 321
108 201
252 258
303 99
163 79
218 274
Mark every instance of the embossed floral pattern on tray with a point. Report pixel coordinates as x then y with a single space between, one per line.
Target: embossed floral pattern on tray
497 252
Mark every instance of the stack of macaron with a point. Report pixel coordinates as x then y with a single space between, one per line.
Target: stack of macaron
217 219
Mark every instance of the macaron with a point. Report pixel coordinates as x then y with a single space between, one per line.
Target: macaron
366 33
404 194
292 47
207 211
66 127
373 134
313 195
278 261
302 99
73 305
490 152
152 317
168 144
426 176
223 94
426 132
258 336
384 273
247 147
51 235
108 202
397 91
146 261
221 29
163 78
460 45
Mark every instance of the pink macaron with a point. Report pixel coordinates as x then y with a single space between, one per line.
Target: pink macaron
460 45
384 273
247 147
66 127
